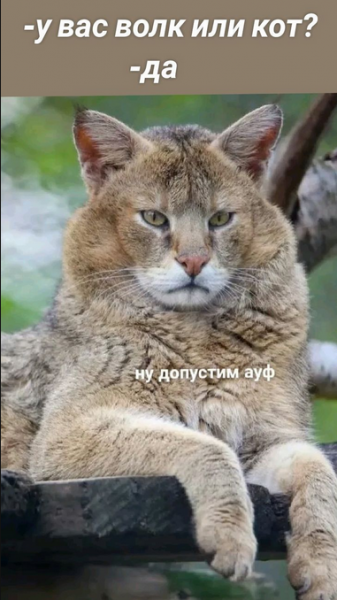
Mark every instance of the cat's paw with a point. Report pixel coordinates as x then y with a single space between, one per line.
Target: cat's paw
232 549
312 568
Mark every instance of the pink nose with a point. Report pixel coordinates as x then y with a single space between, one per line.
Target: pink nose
193 263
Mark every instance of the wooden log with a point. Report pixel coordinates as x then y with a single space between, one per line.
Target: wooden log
118 520
19 504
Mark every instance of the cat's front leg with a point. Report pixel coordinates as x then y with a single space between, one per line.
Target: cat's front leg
302 471
105 442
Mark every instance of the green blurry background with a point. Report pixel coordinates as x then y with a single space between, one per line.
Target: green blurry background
41 186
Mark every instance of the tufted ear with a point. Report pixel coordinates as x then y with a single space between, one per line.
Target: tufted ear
104 145
250 140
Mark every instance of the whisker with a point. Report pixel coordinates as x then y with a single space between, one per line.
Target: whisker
122 293
122 287
99 278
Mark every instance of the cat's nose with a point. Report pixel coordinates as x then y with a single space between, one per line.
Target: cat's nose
193 263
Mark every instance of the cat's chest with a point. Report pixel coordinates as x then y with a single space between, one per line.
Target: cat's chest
195 376
205 382
213 409
205 376
208 350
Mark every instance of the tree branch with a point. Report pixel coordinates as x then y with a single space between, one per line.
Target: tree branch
315 216
294 157
307 193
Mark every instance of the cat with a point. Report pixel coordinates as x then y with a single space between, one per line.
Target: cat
179 277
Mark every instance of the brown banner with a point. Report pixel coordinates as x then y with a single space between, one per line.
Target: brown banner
206 65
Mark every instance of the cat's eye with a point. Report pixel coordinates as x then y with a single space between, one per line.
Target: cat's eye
154 218
220 218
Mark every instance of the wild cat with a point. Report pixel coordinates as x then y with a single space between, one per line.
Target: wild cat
178 262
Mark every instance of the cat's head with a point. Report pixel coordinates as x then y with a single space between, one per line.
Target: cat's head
174 212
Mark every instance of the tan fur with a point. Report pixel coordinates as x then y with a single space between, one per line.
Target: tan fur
112 317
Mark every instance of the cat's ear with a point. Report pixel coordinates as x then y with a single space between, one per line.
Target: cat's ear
250 140
104 145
